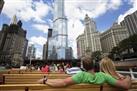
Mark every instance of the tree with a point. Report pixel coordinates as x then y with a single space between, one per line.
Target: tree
129 43
96 55
125 45
115 53
133 42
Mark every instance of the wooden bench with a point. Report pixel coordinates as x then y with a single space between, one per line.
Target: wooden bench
77 87
12 71
18 71
29 78
42 87
39 72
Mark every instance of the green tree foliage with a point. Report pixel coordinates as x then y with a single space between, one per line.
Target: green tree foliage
126 44
96 55
115 53
129 43
133 42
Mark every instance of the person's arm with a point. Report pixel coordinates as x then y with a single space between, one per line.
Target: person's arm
58 82
124 83
121 76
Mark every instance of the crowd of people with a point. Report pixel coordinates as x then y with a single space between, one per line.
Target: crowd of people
106 74
62 67
69 68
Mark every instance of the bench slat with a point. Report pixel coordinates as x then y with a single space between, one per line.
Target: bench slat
30 78
80 87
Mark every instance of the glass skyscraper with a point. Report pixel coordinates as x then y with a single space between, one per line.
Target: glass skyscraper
58 42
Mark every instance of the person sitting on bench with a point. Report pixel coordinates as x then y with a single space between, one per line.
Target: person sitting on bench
88 76
107 66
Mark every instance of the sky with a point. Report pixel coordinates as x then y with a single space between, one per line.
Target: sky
37 17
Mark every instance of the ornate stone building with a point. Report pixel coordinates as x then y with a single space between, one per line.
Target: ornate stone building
13 43
89 41
112 37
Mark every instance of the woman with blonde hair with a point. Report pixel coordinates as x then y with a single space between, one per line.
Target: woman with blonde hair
107 66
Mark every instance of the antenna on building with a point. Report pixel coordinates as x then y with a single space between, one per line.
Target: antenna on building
14 20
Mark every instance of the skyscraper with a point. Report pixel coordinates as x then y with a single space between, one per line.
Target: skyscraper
31 52
45 47
13 43
1 5
130 22
58 42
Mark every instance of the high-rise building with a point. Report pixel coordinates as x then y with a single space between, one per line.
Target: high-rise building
57 44
45 51
112 37
81 48
69 53
31 52
91 38
130 21
13 43
1 5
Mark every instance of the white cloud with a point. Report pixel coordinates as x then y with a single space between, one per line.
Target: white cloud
114 4
39 53
75 11
26 10
41 27
37 40
75 28
94 8
131 10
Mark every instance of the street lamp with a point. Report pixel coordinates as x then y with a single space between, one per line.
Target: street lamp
30 57
30 60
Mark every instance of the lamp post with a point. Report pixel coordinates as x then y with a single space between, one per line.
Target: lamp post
30 57
30 60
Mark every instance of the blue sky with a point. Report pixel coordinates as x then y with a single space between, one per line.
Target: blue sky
37 17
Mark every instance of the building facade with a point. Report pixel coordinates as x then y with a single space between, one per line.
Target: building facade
58 43
13 43
69 53
130 22
81 48
45 51
31 52
89 41
112 37
1 5
92 38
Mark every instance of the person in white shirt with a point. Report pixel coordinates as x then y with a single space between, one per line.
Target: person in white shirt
74 69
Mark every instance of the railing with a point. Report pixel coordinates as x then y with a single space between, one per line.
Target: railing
129 72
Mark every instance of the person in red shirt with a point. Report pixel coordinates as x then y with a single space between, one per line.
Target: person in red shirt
45 69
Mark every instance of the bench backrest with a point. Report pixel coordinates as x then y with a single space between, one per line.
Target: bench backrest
19 71
29 78
78 87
